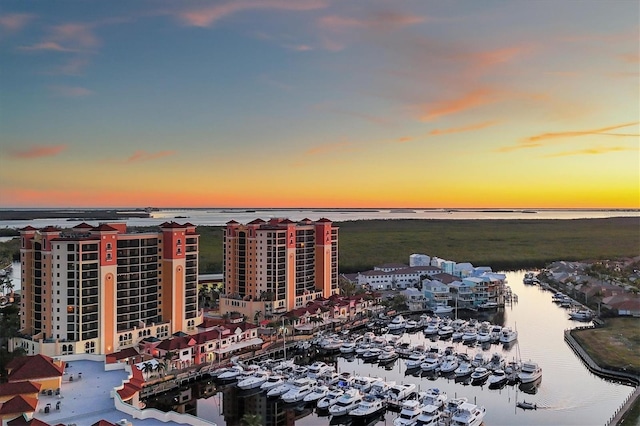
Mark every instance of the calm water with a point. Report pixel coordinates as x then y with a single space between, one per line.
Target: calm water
568 395
219 217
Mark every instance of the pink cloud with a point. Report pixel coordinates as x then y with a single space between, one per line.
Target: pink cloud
386 20
140 155
600 131
207 16
46 45
477 126
75 35
14 22
299 47
70 91
37 151
469 100
592 151
405 139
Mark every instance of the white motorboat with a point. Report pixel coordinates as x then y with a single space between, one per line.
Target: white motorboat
231 374
272 381
442 308
464 369
469 335
468 414
496 332
398 323
433 396
452 406
318 392
370 406
280 390
429 416
363 383
400 391
411 325
496 362
480 375
380 387
348 347
431 362
581 315
414 360
445 331
347 402
254 381
409 413
449 364
298 390
484 334
529 372
387 355
478 360
497 379
508 335
372 354
330 399
318 368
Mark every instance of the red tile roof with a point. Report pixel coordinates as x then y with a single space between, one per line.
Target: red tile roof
182 342
103 423
124 353
33 367
105 227
324 219
50 229
256 222
19 404
29 228
19 388
21 421
83 225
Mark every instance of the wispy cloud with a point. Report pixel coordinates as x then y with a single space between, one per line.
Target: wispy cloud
632 58
75 36
471 127
592 151
47 45
141 155
404 139
70 91
570 134
343 146
379 21
472 99
541 139
208 16
14 22
37 151
299 47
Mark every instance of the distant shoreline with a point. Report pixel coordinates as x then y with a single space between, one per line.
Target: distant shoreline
72 214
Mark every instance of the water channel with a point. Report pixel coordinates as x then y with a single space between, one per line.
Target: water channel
569 394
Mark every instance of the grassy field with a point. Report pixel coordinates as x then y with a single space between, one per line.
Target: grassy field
616 344
501 244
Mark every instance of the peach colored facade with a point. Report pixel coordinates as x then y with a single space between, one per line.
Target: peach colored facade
101 289
276 266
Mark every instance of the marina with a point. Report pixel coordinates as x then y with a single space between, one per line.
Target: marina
567 392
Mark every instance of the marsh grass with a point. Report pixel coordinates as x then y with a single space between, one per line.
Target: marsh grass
502 244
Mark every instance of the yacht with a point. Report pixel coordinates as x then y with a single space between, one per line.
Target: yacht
372 354
388 355
298 390
404 349
345 403
272 381
469 335
449 364
508 335
317 393
411 325
329 377
529 372
496 332
397 324
433 396
414 360
370 406
348 347
528 278
478 360
480 375
317 369
445 331
363 383
280 390
231 374
484 334
409 413
380 387
468 414
581 315
400 392
429 416
464 369
442 308
330 399
431 362
497 379
255 381
496 362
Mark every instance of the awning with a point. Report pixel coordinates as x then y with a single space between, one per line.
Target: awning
239 345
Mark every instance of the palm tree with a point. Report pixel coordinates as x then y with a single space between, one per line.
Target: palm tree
256 317
251 420
168 357
161 367
315 320
147 368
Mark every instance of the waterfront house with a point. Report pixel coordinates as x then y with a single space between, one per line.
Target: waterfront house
415 298
435 293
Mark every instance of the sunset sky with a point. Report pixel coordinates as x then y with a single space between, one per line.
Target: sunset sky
320 103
